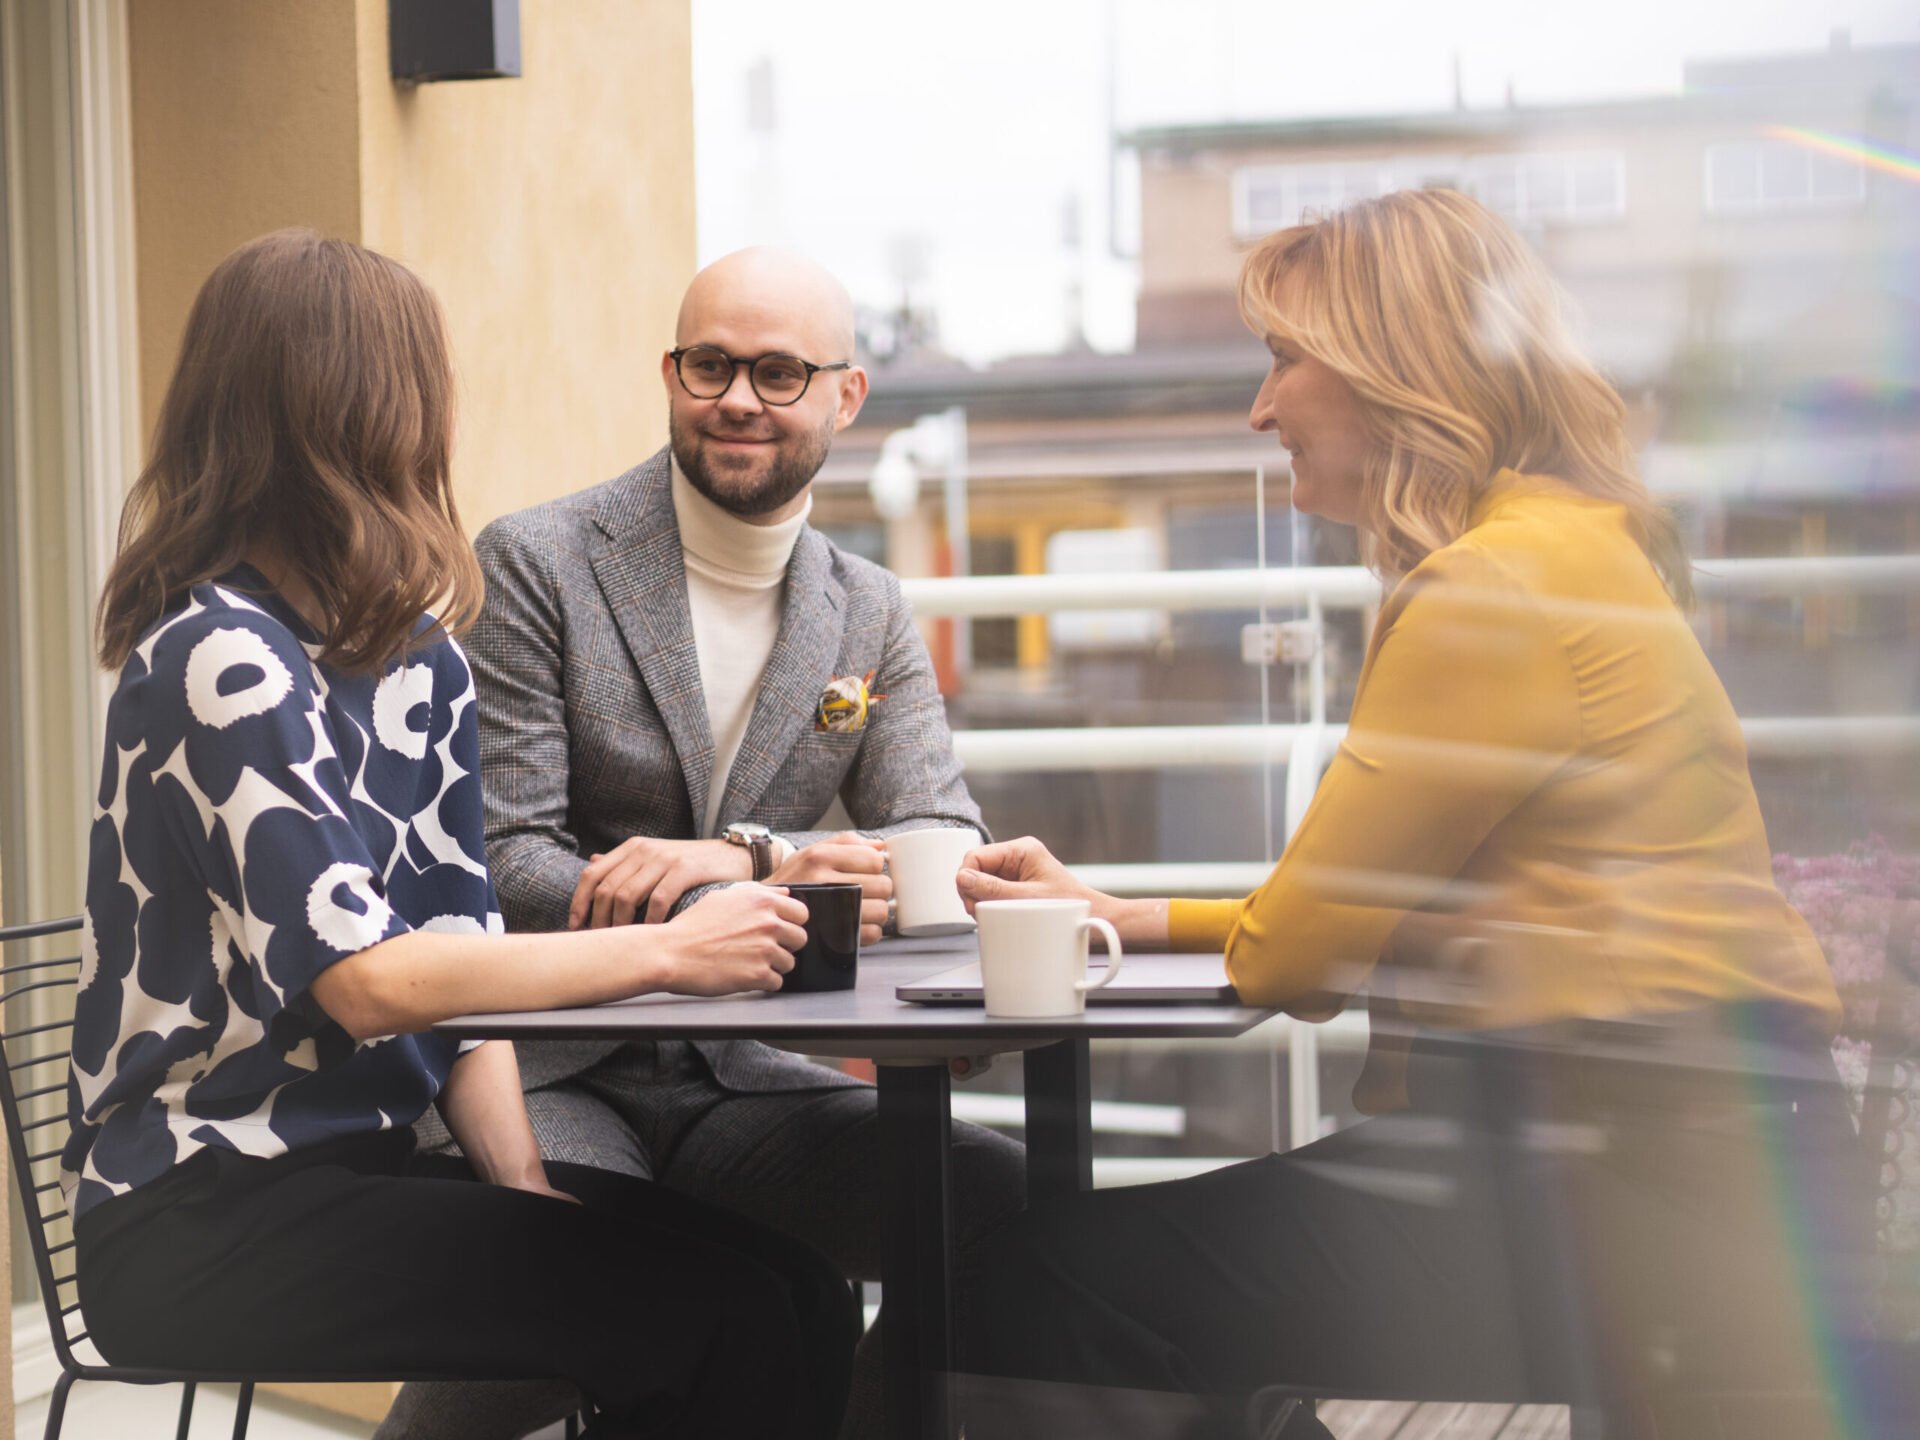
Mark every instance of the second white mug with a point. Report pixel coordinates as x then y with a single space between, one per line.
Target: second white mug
923 864
1033 956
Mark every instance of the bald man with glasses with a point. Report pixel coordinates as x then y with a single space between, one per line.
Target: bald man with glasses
656 668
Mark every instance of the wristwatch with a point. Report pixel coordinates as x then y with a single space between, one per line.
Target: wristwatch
758 839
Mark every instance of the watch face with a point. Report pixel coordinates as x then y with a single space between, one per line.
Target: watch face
747 834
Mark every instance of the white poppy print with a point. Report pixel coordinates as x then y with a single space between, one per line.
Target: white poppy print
347 928
399 694
232 675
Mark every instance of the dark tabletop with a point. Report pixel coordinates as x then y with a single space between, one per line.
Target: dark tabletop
869 1012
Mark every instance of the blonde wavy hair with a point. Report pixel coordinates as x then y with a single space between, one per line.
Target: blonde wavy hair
1451 333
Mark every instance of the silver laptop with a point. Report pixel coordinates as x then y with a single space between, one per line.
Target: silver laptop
1162 979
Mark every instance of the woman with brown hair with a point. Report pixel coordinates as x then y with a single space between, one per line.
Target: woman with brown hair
1537 844
287 886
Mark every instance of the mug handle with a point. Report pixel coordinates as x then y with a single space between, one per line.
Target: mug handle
1113 954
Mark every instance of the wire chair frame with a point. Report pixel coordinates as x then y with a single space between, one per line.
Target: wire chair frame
38 1142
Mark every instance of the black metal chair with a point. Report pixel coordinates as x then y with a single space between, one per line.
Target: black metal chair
36 1116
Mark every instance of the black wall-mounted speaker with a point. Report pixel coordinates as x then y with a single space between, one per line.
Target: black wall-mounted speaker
453 39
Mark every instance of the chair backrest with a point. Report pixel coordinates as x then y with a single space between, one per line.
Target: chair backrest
33 1093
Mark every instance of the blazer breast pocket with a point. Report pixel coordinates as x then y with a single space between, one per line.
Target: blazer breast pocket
817 767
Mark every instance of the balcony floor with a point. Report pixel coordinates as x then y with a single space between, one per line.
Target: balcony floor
135 1412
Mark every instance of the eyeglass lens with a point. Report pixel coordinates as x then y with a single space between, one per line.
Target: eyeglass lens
777 379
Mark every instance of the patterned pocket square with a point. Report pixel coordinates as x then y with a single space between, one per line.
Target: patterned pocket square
846 704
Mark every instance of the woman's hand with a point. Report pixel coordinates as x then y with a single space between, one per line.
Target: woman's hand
536 1183
486 1112
739 938
1024 869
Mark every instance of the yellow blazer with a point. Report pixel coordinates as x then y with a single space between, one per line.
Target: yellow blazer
1541 809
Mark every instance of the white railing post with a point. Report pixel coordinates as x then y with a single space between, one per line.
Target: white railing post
1304 764
959 523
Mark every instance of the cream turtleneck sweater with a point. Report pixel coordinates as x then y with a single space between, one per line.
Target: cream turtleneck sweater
736 587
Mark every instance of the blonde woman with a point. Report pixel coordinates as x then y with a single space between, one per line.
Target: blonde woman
1541 817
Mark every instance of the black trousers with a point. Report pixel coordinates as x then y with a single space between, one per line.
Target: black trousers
675 1318
1447 1253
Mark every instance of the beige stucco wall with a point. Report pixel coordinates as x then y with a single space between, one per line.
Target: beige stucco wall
553 214
244 120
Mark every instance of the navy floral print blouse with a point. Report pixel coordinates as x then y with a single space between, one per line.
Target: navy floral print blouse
260 817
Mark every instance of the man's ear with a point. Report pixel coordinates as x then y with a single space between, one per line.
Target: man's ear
666 371
853 394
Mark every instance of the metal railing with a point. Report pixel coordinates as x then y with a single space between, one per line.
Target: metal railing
1352 587
1304 749
1200 747
1185 747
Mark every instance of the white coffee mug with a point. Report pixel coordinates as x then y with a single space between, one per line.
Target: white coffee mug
923 864
1033 956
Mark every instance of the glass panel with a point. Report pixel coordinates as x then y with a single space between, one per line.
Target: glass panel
1544 185
1835 179
1733 176
1314 192
1766 370
1596 185
1266 202
1496 182
1783 175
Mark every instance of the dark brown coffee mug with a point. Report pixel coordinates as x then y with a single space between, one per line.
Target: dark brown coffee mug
830 959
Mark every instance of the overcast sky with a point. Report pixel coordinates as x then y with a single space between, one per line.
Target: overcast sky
963 149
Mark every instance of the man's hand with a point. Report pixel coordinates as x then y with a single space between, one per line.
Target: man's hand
646 876
739 938
845 859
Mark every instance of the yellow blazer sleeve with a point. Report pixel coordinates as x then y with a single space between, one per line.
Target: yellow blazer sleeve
1202 924
1466 705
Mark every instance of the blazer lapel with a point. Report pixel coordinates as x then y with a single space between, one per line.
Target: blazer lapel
643 577
812 621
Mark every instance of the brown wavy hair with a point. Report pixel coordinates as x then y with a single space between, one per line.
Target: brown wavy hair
310 415
1451 333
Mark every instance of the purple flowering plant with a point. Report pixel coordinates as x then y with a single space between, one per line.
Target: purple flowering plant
1850 901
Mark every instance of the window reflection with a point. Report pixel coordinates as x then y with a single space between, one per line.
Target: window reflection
1739 253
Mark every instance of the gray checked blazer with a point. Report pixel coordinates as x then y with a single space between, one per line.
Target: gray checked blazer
593 726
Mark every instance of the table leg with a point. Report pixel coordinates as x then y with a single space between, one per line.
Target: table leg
1059 1122
915 1272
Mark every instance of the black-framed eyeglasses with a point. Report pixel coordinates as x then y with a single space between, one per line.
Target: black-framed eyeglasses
706 373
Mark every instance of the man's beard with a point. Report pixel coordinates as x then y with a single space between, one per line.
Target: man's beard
796 460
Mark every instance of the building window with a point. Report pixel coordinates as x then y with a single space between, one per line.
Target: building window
1569 187
1756 177
1572 187
1271 197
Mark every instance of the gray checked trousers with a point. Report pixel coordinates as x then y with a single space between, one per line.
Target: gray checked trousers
805 1161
